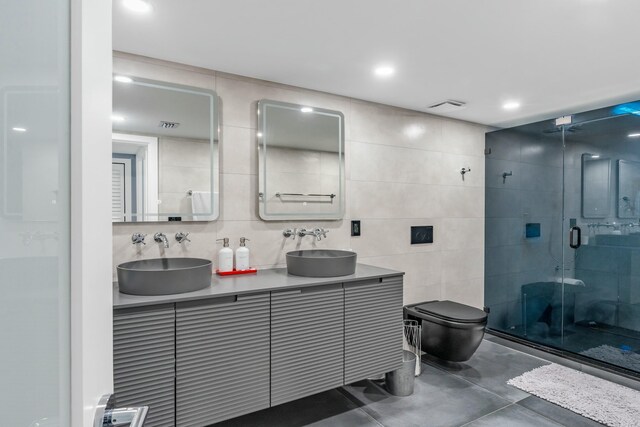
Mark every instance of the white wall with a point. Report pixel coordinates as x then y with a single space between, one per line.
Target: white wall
402 168
183 165
91 293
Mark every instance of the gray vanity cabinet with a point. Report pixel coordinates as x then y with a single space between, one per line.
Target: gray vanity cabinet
144 360
307 342
373 327
222 358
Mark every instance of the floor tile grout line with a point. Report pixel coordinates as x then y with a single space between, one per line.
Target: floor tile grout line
486 415
521 407
356 402
520 351
544 415
371 417
472 383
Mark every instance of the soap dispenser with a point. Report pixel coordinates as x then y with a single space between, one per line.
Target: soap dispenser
225 256
242 255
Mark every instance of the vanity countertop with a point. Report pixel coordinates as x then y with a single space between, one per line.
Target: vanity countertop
263 281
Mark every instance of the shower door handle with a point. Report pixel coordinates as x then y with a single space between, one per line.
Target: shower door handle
575 237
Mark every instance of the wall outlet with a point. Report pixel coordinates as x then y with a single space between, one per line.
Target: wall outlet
355 228
421 234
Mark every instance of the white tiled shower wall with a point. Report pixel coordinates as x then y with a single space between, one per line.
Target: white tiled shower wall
402 169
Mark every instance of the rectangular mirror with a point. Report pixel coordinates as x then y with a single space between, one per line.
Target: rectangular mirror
596 185
301 162
628 189
164 152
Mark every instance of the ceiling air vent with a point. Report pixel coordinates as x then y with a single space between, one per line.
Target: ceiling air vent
447 106
169 125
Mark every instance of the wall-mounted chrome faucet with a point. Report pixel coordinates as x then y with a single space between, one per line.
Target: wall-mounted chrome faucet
318 233
182 237
505 175
138 238
161 238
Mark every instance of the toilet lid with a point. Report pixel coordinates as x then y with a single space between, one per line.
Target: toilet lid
449 310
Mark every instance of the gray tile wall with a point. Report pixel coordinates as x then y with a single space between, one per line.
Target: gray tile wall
402 168
533 194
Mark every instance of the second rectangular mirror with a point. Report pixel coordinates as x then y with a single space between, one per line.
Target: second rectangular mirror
301 162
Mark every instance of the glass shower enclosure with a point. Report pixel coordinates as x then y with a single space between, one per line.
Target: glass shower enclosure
562 235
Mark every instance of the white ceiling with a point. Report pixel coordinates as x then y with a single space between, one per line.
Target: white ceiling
555 57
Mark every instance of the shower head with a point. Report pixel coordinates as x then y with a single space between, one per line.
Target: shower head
557 129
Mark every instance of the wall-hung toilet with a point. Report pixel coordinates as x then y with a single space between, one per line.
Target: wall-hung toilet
450 331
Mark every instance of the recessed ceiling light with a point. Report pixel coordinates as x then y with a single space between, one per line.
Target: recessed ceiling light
595 156
19 129
306 109
384 71
117 118
511 105
139 6
259 134
634 135
123 79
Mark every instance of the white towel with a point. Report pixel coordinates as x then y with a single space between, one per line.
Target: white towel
201 205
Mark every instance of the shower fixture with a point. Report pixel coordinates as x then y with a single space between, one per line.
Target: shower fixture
505 175
463 171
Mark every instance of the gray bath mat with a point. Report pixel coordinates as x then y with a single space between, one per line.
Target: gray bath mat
592 397
616 356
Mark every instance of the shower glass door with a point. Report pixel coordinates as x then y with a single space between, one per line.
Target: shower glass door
562 234
601 289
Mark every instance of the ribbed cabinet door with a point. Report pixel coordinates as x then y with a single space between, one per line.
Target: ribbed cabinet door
222 348
307 342
144 362
373 327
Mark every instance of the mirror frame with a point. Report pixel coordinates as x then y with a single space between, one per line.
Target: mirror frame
262 143
214 139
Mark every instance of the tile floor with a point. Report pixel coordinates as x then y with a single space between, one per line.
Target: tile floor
473 393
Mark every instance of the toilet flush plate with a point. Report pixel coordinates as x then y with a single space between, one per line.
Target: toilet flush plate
421 234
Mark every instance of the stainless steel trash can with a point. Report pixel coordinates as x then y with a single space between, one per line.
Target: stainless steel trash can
400 382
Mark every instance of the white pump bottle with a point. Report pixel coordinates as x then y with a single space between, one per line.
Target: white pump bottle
225 256
242 256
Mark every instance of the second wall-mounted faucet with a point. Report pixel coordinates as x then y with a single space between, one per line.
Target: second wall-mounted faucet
318 233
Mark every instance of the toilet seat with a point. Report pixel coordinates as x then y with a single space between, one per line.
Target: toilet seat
452 312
